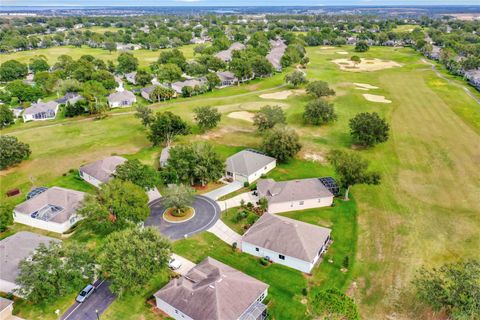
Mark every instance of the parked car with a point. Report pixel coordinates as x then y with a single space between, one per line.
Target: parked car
85 293
174 264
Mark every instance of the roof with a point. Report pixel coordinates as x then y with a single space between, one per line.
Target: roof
54 205
41 107
212 290
177 86
287 236
276 53
226 76
226 55
71 97
17 247
102 170
124 95
292 190
247 162
165 154
5 303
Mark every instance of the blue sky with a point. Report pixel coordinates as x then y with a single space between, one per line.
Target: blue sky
229 2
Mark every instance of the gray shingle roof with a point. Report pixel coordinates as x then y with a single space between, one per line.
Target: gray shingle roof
292 190
17 247
226 76
124 95
213 291
276 53
177 86
247 162
65 201
41 107
102 170
287 236
226 55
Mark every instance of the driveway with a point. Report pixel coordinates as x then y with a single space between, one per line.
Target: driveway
100 300
226 234
187 265
235 201
207 212
222 191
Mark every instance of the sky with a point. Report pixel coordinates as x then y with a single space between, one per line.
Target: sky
231 2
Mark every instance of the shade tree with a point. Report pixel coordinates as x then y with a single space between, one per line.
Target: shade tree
319 89
178 198
281 143
165 127
12 151
318 112
268 116
207 117
368 129
296 78
140 174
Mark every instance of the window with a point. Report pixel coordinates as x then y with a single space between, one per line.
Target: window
256 249
301 203
281 257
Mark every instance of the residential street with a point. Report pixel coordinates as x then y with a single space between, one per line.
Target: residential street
100 300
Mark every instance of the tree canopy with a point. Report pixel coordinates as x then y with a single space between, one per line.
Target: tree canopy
368 129
165 127
6 116
296 78
12 70
319 89
207 117
127 62
140 174
179 198
318 112
12 151
362 46
281 143
268 116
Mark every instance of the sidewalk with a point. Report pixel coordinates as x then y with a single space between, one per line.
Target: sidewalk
235 201
226 234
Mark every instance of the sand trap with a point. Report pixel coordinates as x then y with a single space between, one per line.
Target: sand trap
364 86
375 98
241 115
342 52
365 65
326 47
281 95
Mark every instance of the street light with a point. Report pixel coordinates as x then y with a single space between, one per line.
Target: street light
96 312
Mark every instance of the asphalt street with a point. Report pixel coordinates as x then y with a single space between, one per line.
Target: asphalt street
207 212
100 300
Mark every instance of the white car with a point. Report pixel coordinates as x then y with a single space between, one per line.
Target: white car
174 264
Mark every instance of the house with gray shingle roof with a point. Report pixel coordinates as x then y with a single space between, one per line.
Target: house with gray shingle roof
275 55
41 111
214 291
248 165
54 210
294 195
227 78
121 99
100 171
286 241
226 55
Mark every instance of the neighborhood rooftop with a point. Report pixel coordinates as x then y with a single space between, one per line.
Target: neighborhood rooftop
120 96
39 107
292 190
102 170
276 53
226 55
287 236
247 162
55 205
212 290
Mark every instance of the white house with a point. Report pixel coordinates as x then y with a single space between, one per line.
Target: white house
100 171
121 99
54 210
41 111
249 165
213 291
14 249
293 195
289 242
227 78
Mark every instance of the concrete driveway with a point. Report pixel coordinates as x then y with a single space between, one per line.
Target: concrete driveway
235 201
222 191
226 234
207 212
187 265
100 300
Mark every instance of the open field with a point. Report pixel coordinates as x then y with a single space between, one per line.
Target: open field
145 57
425 212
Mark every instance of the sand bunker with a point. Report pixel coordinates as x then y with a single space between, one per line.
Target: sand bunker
241 115
364 86
365 65
326 47
375 98
342 52
281 95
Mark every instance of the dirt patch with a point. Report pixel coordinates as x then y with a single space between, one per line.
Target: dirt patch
242 115
375 98
316 157
326 47
281 95
342 52
364 86
223 131
365 65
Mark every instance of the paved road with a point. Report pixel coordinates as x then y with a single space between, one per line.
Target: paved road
207 212
100 300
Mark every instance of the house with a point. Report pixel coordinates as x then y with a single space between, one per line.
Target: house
214 291
293 195
54 210
145 92
435 53
14 249
128 46
69 97
121 99
286 241
227 78
473 77
17 112
130 77
164 156
100 171
276 53
6 309
178 86
41 111
226 55
248 165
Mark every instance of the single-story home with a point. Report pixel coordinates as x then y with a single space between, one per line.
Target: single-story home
227 78
54 209
69 97
473 77
164 156
178 86
41 111
14 249
226 55
290 242
249 165
293 195
121 99
100 171
275 55
145 92
17 112
131 77
214 291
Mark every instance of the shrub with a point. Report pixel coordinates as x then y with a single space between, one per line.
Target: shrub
246 184
333 304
